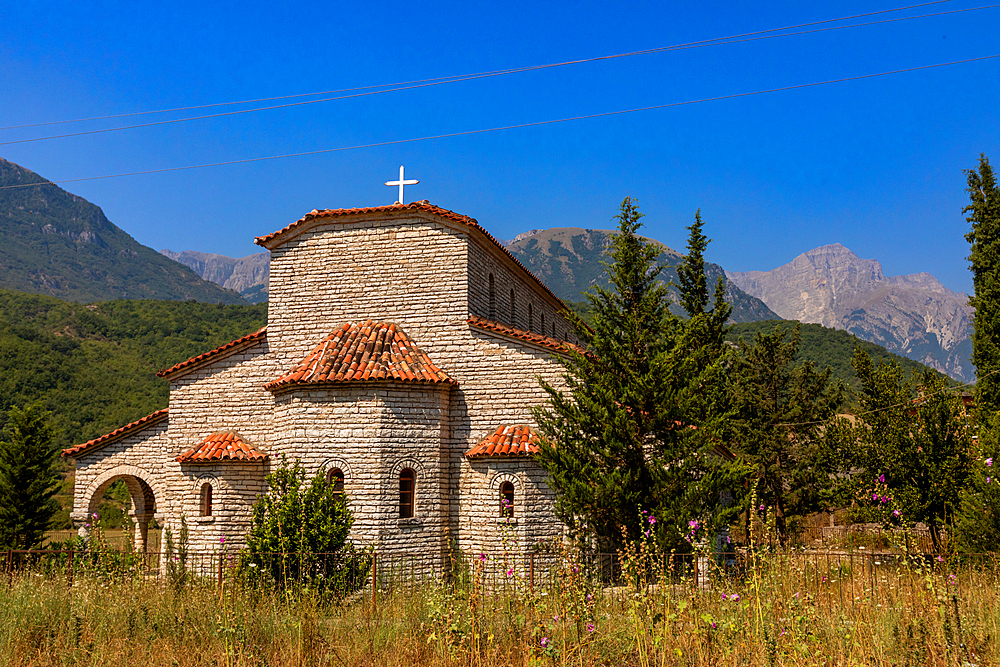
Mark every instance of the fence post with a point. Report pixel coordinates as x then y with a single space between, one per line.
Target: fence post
374 575
69 570
531 573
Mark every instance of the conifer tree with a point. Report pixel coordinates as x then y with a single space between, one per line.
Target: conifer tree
28 478
781 429
638 428
984 255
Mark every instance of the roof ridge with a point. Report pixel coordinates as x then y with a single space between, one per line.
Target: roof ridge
205 356
120 432
422 205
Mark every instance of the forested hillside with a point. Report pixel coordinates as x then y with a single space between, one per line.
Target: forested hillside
827 347
94 366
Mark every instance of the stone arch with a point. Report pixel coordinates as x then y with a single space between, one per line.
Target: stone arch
337 462
500 478
143 489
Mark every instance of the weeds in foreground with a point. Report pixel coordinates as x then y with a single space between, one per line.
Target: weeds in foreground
785 610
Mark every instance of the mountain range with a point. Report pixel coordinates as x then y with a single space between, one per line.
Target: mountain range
913 315
59 244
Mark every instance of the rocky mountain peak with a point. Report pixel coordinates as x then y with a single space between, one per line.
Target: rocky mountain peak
912 315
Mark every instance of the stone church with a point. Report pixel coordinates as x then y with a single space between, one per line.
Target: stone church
401 357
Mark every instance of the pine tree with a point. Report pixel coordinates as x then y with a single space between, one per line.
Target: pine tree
28 478
984 255
781 429
637 430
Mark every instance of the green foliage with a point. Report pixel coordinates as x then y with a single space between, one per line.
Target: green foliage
177 556
298 535
914 446
691 270
781 430
28 478
826 348
984 255
636 431
94 367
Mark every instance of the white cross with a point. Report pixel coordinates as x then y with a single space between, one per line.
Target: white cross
401 183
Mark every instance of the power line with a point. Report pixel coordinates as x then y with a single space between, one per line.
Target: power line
390 88
506 127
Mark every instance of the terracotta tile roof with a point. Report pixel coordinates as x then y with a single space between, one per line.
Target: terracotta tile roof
137 425
221 447
424 206
538 339
506 441
228 347
366 351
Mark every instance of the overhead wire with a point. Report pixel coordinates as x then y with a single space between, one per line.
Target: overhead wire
406 83
390 88
505 127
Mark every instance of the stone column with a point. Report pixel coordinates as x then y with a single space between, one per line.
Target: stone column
141 536
81 521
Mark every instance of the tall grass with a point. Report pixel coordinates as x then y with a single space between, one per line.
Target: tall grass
793 609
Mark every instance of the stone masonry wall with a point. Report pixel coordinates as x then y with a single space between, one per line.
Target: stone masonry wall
543 316
372 431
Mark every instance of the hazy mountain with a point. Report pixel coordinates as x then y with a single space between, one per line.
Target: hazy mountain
246 275
914 315
568 261
56 243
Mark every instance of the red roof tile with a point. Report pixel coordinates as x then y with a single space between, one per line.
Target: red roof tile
367 351
137 425
538 339
228 347
221 447
424 206
506 441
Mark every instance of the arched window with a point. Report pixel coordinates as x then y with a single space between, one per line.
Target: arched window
335 477
553 329
507 500
407 490
206 499
493 299
512 309
541 328
531 318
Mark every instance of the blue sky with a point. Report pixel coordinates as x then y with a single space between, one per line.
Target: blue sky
875 164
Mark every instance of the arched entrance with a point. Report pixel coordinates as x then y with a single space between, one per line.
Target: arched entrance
142 493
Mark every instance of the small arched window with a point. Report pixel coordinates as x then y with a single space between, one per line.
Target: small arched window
407 490
335 477
507 500
513 311
553 329
541 328
205 502
531 318
493 299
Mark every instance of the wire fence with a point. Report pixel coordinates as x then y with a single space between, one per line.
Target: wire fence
825 577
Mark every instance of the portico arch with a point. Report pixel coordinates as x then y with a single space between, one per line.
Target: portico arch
143 491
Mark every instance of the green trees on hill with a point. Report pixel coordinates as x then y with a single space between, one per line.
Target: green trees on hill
630 447
94 366
782 430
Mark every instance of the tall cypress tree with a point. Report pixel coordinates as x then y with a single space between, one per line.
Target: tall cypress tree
28 478
984 255
637 429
